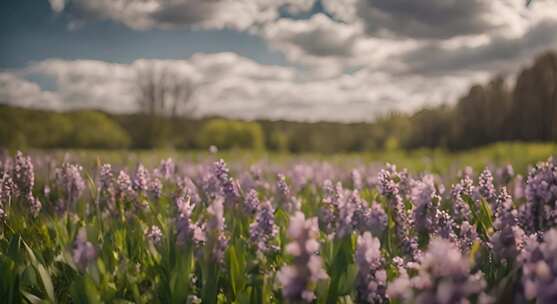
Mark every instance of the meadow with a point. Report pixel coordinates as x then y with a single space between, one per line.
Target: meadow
427 226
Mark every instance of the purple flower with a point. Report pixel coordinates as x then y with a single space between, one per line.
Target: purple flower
461 209
467 235
154 234
443 276
140 179
23 174
389 182
373 219
186 187
426 203
263 230
186 230
306 268
486 187
289 202
215 230
226 183
540 211
371 282
508 239
124 185
154 188
251 202
83 251
68 178
539 270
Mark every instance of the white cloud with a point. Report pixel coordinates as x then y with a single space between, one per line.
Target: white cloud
230 85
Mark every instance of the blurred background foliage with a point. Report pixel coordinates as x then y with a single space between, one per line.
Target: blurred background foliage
524 109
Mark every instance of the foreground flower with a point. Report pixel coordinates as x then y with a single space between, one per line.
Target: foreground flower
443 276
186 230
288 201
508 239
83 251
539 271
371 284
540 212
226 183
299 278
263 230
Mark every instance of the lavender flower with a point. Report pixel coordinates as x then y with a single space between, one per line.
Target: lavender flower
140 179
371 282
215 230
68 178
486 187
467 235
373 219
540 211
443 276
251 202
389 181
23 174
306 268
228 188
154 234
187 231
154 188
508 239
263 230
286 199
186 187
426 203
83 251
539 270
461 210
124 185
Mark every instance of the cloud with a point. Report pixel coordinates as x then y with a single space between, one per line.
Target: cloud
166 14
500 53
230 85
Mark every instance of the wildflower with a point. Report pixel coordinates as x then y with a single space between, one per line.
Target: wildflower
215 230
186 187
426 203
23 174
154 188
154 234
251 202
226 183
306 268
486 187
389 181
140 179
187 231
539 270
467 235
68 178
464 188
286 199
540 211
124 185
508 239
443 276
83 251
371 282
263 230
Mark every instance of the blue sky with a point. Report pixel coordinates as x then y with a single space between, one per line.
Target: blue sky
341 60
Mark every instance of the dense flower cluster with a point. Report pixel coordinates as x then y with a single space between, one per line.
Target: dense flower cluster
302 232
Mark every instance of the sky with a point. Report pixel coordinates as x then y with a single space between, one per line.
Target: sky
308 60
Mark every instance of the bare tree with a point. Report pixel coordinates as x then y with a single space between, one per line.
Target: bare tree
164 92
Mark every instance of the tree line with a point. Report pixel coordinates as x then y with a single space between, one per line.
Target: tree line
525 110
